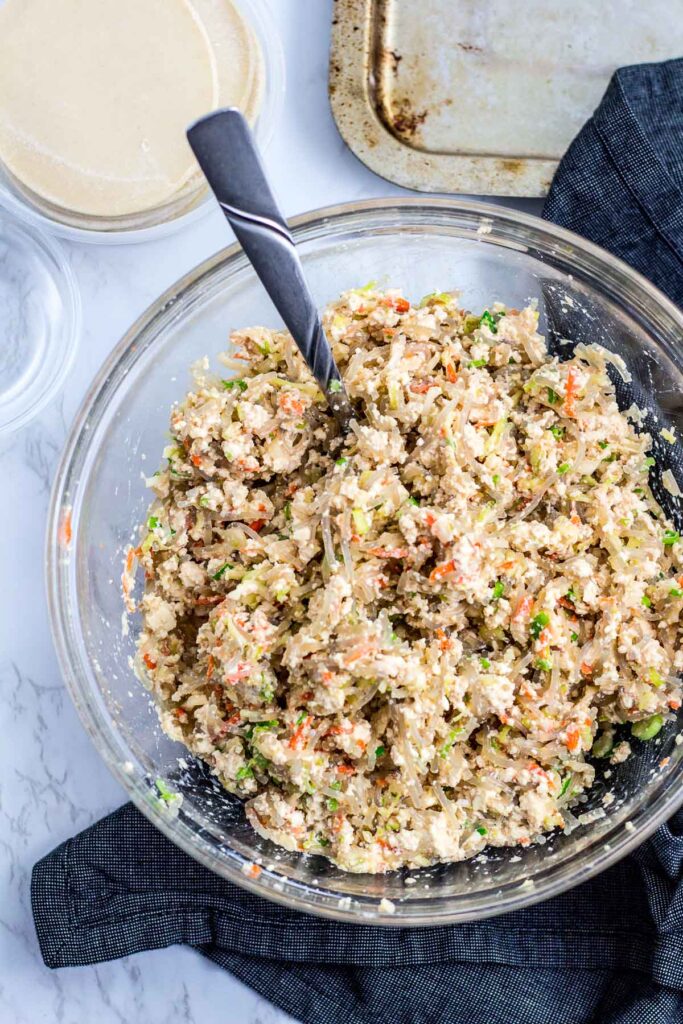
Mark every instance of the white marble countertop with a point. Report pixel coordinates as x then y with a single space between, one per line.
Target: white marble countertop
52 782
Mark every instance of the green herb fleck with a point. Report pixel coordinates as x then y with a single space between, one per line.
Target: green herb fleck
481 830
676 592
241 385
544 665
603 444
538 623
302 717
650 461
574 637
335 386
557 431
670 538
566 784
646 601
245 772
485 663
332 804
563 468
488 319
553 396
152 523
498 590
223 568
341 461
477 363
380 751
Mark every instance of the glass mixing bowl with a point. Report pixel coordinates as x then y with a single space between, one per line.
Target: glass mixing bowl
99 498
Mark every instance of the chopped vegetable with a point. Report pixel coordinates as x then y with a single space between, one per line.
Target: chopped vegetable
648 728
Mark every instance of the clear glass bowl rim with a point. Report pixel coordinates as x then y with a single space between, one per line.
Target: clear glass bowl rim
660 799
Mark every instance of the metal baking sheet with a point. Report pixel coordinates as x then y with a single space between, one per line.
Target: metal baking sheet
482 96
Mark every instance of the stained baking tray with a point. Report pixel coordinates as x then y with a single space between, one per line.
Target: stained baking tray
482 96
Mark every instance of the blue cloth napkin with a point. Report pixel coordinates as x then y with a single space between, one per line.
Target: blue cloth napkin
607 952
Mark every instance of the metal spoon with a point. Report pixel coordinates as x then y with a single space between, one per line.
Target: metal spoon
224 147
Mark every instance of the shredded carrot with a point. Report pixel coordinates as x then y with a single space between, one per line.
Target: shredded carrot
64 532
290 404
586 669
388 552
298 733
253 871
346 769
575 519
196 460
573 738
401 305
445 569
571 389
149 661
450 373
130 559
420 387
257 525
208 599
383 843
445 643
523 609
565 603
210 667
674 704
664 762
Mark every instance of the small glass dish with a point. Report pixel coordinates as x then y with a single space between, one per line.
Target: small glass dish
40 317
99 497
192 201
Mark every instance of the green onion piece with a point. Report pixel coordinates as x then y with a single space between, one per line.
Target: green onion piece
676 592
332 804
650 461
380 751
164 792
245 772
495 479
341 462
603 444
488 319
556 431
645 600
223 568
287 510
485 663
648 728
481 830
538 623
335 386
230 384
544 664
477 363
152 523
498 590
655 678
670 538
566 784
414 501
302 717
574 637
563 468
553 396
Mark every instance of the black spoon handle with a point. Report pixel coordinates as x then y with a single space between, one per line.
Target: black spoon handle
224 147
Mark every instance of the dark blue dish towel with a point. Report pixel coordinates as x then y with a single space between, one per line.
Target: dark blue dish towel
608 952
